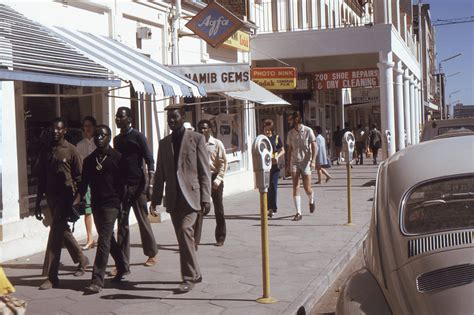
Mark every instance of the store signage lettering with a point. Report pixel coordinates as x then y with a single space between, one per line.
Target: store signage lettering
218 77
282 78
214 24
239 40
346 79
365 96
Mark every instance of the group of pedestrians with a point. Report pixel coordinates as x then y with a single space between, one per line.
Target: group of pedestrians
111 181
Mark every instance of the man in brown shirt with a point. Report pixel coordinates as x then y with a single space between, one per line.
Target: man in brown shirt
59 172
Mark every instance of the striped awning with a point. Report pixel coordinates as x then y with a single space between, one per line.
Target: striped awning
28 52
145 74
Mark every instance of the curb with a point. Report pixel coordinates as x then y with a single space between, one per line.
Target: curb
317 287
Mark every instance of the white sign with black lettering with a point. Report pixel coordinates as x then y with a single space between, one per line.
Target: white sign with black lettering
222 77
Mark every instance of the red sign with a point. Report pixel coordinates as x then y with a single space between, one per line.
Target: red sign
346 79
214 24
281 78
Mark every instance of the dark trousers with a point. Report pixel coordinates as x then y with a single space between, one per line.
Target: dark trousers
136 199
375 152
359 146
184 218
217 200
60 234
104 219
273 188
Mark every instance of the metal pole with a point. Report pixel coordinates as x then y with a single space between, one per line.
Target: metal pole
349 195
266 298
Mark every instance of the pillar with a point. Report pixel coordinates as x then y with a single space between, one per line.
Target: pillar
406 104
418 110
387 116
400 112
412 110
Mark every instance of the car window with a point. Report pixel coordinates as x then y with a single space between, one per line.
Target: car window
439 205
443 130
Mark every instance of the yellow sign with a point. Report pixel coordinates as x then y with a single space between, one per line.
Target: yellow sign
239 40
279 78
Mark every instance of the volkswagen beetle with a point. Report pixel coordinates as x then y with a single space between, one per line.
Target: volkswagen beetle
419 252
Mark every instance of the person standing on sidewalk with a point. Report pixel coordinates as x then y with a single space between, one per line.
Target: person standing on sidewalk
375 142
278 151
302 151
322 159
360 140
218 163
59 172
85 147
183 163
103 172
133 146
337 139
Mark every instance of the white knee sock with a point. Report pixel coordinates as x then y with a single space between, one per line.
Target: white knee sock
297 200
311 197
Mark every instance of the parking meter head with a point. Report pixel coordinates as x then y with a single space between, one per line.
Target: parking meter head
388 136
262 162
348 145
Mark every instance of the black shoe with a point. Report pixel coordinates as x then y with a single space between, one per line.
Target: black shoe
120 275
49 284
219 243
297 217
270 213
311 207
92 289
198 280
185 287
81 268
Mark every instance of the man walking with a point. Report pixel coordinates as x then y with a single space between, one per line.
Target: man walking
375 141
302 151
183 163
218 163
103 170
360 139
337 139
59 173
134 149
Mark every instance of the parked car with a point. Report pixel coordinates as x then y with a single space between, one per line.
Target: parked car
437 128
419 252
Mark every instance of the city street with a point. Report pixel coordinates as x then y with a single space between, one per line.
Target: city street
305 258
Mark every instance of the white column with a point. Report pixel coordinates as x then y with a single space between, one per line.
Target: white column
397 15
399 106
412 111
387 116
418 111
9 150
406 103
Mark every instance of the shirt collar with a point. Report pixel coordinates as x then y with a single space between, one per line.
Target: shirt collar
211 140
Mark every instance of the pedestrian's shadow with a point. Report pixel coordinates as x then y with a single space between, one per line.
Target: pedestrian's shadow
142 297
253 216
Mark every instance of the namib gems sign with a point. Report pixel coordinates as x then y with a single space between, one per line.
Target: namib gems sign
346 79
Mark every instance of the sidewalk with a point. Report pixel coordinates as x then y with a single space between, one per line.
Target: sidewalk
305 257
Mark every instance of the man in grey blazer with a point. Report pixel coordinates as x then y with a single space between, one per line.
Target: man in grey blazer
183 163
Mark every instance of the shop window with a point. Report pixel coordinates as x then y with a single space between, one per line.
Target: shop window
226 123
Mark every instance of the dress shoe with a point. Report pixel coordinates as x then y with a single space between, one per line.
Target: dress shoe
113 273
88 246
49 284
198 280
270 213
81 268
151 261
219 243
311 207
185 287
297 217
92 289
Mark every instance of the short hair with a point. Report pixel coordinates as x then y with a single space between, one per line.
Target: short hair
181 109
127 111
202 122
374 126
105 127
269 123
59 119
295 114
346 124
318 129
91 119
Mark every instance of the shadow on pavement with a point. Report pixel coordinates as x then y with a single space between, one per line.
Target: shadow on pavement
138 297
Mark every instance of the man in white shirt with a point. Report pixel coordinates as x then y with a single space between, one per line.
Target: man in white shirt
302 151
85 147
218 164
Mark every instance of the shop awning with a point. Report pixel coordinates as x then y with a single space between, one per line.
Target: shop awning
145 74
28 52
258 94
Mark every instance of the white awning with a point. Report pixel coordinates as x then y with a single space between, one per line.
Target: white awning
145 74
258 94
28 52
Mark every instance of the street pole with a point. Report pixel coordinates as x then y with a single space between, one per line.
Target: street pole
349 194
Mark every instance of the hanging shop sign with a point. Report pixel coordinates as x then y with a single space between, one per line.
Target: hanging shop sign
279 78
239 40
214 24
359 96
346 79
222 77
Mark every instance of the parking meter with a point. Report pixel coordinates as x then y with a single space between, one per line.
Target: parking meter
262 162
388 137
348 145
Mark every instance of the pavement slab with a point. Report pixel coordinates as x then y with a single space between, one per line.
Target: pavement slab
305 257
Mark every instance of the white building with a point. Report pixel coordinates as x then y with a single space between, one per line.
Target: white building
78 58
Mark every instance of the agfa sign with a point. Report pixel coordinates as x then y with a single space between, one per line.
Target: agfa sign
214 24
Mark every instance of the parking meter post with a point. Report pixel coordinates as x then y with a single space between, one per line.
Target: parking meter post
262 164
348 145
